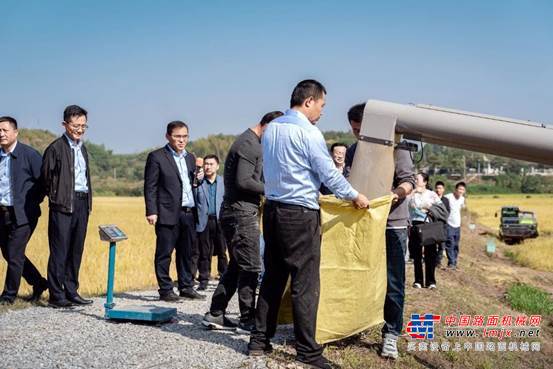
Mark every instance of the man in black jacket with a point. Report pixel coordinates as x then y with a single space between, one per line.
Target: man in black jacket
66 177
20 198
171 208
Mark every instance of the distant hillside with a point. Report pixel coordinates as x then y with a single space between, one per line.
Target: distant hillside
122 174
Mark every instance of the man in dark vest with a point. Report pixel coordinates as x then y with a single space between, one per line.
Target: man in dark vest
20 198
171 207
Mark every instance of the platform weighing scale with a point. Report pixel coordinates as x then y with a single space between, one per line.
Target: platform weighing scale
144 313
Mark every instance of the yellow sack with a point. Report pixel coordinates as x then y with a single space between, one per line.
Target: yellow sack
353 269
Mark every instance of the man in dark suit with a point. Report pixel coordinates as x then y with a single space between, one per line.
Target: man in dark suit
169 178
20 198
66 177
212 242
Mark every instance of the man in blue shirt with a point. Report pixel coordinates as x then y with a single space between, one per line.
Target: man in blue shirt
212 242
20 198
295 163
66 177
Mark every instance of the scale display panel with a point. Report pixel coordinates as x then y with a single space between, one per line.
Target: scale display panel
111 233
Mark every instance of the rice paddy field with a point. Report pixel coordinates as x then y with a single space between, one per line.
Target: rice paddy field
135 256
134 264
535 253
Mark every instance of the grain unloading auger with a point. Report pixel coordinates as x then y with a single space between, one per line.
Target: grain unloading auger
373 165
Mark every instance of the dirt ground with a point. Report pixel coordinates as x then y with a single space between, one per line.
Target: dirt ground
477 287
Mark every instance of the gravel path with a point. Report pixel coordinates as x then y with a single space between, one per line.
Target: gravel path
39 337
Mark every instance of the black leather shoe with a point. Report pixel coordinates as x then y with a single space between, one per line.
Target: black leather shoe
169 297
78 300
320 363
60 304
202 286
37 292
259 349
191 294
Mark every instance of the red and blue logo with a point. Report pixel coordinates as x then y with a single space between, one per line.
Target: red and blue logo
421 326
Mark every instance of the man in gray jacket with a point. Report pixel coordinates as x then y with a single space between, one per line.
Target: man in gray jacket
396 236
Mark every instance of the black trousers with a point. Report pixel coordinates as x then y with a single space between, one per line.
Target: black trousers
180 237
292 248
66 236
212 242
13 241
241 230
430 256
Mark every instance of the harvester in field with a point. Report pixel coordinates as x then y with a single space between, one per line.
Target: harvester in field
517 225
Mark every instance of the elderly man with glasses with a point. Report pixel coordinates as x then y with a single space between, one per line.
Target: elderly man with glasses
66 177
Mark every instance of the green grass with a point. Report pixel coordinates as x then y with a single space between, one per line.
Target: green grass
19 304
528 299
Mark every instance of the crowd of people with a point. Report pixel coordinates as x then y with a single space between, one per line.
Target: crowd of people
197 214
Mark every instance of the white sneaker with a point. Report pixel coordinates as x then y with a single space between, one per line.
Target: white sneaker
389 346
417 285
432 286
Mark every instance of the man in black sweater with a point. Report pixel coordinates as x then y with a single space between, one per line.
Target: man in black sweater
240 223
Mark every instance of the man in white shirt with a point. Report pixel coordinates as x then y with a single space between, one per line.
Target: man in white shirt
456 203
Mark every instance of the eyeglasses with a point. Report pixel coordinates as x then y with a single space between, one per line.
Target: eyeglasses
179 137
77 127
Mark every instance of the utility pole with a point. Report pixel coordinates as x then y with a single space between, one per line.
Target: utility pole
464 168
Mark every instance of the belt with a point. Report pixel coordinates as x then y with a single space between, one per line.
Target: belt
278 204
186 209
81 195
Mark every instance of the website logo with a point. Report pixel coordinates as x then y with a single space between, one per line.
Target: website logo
421 326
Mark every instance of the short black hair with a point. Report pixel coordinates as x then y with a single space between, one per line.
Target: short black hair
212 156
460 184
355 113
175 124
439 183
306 89
10 120
337 144
73 111
269 117
424 176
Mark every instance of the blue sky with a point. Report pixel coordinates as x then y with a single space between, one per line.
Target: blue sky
219 65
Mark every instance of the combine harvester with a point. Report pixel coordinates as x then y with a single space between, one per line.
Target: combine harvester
353 251
384 123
